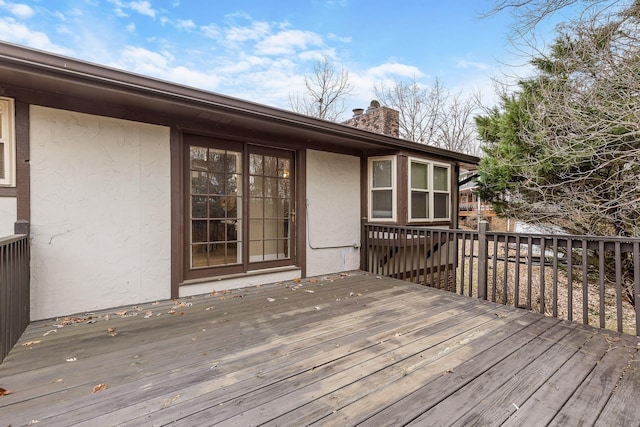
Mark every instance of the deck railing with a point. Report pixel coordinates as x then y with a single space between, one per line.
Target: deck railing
588 279
14 290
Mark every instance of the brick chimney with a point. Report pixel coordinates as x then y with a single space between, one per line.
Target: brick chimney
376 119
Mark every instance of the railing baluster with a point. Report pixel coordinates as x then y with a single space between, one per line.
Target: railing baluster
570 279
601 280
636 284
555 277
529 273
505 273
585 282
542 283
516 278
618 258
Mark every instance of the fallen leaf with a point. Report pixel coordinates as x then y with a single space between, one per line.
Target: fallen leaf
171 312
309 290
213 292
296 280
48 332
4 392
59 380
120 313
313 280
31 343
270 299
92 321
317 308
501 315
71 359
208 308
148 314
170 400
99 387
32 422
111 329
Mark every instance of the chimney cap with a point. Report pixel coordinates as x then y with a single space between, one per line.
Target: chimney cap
357 112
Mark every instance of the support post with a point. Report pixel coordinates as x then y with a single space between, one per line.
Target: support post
483 226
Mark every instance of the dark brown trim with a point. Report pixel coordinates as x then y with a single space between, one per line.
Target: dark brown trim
8 192
177 209
23 180
301 210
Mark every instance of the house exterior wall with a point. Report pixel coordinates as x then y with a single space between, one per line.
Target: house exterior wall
333 212
8 215
100 212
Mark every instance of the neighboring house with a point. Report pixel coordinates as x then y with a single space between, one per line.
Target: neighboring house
137 189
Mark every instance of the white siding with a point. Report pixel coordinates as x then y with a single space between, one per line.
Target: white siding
8 213
333 208
100 212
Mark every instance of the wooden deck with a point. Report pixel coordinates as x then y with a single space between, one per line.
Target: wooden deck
337 350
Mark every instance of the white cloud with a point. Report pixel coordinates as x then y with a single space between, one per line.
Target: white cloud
19 10
394 69
187 24
335 37
18 33
210 31
288 42
161 65
256 31
143 8
471 64
131 28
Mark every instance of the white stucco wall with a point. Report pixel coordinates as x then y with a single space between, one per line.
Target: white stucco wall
100 212
333 210
8 215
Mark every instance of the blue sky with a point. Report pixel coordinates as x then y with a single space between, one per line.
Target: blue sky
260 50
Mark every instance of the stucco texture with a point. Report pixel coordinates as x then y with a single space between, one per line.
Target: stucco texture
333 212
8 212
100 212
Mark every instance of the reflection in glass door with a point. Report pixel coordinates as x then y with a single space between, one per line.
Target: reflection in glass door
271 212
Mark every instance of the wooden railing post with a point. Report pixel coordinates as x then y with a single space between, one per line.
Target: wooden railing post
482 259
364 243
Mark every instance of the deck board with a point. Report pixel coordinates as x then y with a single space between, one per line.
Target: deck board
335 350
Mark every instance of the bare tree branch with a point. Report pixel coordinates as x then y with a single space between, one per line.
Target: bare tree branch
325 92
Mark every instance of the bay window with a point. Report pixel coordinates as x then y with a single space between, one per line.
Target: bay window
7 143
429 194
382 188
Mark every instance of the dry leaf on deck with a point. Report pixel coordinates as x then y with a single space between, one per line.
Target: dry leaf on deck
4 392
296 280
31 343
120 313
99 387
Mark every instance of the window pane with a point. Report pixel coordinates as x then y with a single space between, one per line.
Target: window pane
256 185
233 163
232 207
271 229
199 183
233 184
270 249
255 164
233 253
270 208
217 231
419 205
198 207
256 230
199 256
255 208
270 166
216 160
255 251
440 178
198 231
217 207
381 173
270 187
382 204
217 254
284 168
284 187
419 175
441 205
198 158
216 183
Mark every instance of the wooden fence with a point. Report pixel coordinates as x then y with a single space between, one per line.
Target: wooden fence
14 290
588 279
